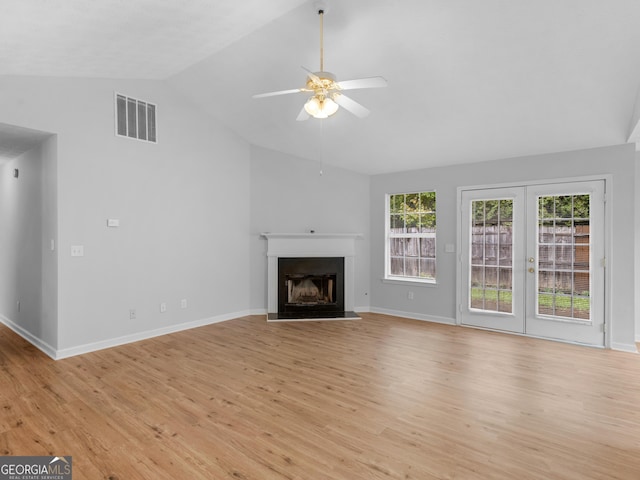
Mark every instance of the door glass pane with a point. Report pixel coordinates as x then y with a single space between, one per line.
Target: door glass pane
564 257
491 281
505 284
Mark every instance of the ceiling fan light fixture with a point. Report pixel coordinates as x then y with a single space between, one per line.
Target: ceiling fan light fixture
326 90
320 107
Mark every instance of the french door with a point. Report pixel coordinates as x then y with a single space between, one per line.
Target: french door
533 260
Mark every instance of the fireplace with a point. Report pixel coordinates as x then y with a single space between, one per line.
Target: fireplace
311 276
310 286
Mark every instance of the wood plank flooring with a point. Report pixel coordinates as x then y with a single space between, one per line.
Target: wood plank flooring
377 398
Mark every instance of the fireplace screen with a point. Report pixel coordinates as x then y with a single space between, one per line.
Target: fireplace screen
310 284
311 289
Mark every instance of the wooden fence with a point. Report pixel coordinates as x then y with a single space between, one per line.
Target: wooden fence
563 258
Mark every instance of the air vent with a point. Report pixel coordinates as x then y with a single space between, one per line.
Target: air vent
135 119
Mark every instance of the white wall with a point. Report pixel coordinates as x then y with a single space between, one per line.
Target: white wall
49 309
183 205
637 246
288 195
439 301
27 270
20 218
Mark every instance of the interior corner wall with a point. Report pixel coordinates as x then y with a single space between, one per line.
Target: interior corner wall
49 241
637 245
21 231
289 195
438 302
183 207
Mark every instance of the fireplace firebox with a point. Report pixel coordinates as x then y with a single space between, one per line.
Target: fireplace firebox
310 287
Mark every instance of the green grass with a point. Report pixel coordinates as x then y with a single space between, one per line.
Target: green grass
545 300
491 295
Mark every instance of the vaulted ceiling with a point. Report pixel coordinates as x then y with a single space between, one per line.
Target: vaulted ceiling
468 80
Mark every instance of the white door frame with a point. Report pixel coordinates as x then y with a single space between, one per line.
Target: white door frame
608 215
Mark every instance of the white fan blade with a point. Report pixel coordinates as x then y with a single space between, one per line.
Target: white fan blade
371 82
281 92
312 76
303 115
350 105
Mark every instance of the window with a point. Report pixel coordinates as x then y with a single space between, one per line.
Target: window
135 119
411 236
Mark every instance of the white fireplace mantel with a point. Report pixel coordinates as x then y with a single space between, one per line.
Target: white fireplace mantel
310 245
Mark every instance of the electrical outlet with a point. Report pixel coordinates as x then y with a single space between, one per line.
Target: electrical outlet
163 307
77 250
132 314
183 303
410 295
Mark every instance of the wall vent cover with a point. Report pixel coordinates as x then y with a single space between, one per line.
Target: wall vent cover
136 119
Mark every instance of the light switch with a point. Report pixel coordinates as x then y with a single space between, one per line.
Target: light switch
77 250
113 222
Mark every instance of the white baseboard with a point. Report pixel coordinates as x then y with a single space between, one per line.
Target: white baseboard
624 347
114 342
414 316
29 337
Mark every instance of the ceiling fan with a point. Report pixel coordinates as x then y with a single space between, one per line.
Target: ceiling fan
327 91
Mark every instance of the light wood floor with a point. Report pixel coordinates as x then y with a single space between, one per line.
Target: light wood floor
379 398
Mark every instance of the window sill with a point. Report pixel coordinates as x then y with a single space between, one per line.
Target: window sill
410 281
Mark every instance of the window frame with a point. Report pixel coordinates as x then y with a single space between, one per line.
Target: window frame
403 279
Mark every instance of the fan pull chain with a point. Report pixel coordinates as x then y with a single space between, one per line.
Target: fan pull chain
321 146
